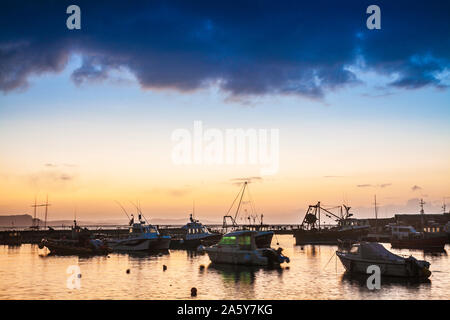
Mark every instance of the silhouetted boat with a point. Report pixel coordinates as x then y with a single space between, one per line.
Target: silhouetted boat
366 254
406 237
347 229
80 243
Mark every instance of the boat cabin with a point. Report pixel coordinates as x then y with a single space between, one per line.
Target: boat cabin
404 232
139 228
195 229
353 223
244 240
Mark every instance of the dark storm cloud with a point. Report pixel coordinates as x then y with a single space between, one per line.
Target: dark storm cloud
250 48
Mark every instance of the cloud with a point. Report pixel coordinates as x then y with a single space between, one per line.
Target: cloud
174 192
294 48
383 185
415 188
53 180
239 181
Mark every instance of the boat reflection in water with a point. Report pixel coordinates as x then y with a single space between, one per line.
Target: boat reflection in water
240 273
386 281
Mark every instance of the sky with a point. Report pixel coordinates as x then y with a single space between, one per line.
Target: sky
87 116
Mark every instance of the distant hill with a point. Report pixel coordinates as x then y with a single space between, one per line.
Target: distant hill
22 220
159 221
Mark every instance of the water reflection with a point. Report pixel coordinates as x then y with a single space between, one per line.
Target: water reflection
145 254
232 273
313 273
194 253
361 281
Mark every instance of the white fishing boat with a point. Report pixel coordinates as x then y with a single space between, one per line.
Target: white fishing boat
142 237
239 247
194 235
365 254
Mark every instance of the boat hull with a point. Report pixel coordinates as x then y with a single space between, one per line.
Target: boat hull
330 237
390 269
193 244
433 243
241 257
61 249
161 243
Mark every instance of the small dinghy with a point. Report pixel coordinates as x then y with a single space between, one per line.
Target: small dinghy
365 254
239 247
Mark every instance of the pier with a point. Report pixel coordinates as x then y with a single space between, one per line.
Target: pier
12 235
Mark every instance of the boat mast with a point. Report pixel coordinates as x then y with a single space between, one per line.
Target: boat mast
376 215
46 211
318 208
240 200
34 214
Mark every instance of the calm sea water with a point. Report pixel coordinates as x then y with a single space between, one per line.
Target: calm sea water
26 272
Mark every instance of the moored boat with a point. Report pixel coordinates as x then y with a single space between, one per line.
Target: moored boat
366 254
239 247
80 243
75 247
194 235
263 236
142 237
406 237
312 231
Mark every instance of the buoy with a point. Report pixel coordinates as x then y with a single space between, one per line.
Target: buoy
128 270
164 267
193 292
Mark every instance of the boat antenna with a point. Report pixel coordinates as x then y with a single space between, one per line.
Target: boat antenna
123 209
421 206
422 212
